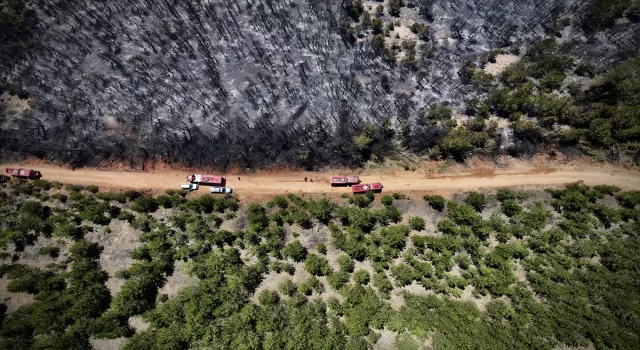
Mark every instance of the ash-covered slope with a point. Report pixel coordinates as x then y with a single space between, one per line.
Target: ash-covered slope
247 83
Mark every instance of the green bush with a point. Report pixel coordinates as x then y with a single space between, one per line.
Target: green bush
382 283
628 199
416 223
436 202
145 204
295 250
346 263
321 248
510 207
73 188
477 200
338 279
508 193
317 265
386 200
287 287
49 251
403 274
268 298
361 277
278 201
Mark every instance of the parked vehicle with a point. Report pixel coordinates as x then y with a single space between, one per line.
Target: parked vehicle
344 180
206 179
375 187
23 173
190 187
225 190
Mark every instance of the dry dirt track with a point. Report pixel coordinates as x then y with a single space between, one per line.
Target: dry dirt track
262 184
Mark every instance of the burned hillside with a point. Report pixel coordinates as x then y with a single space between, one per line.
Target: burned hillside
298 82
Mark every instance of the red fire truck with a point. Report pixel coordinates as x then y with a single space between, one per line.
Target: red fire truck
23 173
362 188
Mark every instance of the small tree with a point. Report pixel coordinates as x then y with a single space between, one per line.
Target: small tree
346 263
295 250
477 200
317 265
361 277
416 223
436 202
510 207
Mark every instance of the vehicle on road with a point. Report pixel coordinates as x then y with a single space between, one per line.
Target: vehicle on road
362 188
23 173
190 187
225 190
340 180
206 179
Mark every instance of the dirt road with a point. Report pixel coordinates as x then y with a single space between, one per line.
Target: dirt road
403 181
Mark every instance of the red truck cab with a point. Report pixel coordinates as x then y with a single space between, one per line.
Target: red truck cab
23 173
362 188
206 179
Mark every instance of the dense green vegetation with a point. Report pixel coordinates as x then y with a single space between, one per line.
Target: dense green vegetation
553 268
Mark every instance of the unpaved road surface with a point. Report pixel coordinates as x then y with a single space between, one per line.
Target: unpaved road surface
261 184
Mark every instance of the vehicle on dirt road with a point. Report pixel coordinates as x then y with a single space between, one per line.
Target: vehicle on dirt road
224 190
206 179
23 173
344 180
190 187
375 187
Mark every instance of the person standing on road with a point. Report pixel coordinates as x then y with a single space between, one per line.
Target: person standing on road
305 179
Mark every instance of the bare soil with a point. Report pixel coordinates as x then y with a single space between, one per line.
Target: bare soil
523 175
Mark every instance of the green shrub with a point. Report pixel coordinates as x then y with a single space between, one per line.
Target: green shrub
73 188
268 298
386 200
416 223
360 200
361 277
346 263
382 283
119 197
628 199
295 250
403 274
49 251
321 248
316 265
436 202
508 193
338 279
126 216
145 205
510 208
477 200
287 287
278 201
607 189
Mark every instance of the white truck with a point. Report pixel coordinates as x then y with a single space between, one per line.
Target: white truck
190 187
224 190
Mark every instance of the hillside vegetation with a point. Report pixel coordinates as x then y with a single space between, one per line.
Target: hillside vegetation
510 270
309 83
